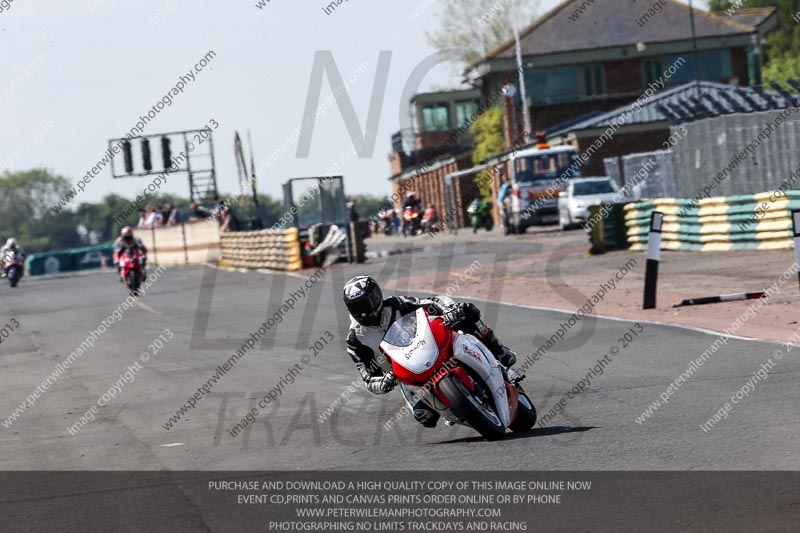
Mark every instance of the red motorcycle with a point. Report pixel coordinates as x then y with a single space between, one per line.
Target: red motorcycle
131 269
387 217
14 267
456 375
411 221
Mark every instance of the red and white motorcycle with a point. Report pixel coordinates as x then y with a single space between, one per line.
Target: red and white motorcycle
130 263
14 266
456 375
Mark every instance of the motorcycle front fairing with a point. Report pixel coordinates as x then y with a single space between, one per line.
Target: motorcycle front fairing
130 260
472 353
416 352
420 349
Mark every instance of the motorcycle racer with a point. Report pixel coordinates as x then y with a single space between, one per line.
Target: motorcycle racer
127 240
372 315
9 252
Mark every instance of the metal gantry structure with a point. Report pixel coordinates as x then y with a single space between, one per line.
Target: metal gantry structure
193 159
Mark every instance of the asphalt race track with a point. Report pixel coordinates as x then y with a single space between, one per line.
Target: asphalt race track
207 314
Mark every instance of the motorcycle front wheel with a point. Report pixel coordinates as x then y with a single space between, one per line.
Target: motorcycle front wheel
476 408
526 414
134 282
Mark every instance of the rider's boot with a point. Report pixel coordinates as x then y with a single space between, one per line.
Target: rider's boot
505 356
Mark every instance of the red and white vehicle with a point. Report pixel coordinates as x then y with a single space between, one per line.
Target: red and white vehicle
130 262
456 375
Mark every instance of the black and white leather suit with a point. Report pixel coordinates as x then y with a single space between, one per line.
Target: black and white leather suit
363 341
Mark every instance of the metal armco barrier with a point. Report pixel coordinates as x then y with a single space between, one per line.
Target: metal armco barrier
751 222
270 249
70 260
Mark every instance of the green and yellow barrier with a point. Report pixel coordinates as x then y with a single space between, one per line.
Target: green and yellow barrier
750 222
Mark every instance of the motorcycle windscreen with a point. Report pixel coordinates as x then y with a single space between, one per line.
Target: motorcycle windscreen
409 342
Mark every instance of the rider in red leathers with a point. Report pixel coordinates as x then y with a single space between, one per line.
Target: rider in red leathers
127 240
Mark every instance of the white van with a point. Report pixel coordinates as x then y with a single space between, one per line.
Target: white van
538 175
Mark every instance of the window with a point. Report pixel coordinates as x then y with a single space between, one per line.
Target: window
464 111
543 169
653 70
588 188
556 85
715 65
594 80
436 118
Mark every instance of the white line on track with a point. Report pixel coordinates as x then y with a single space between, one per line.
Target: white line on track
696 329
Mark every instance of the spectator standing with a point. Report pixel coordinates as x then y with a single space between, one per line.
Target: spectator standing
142 219
198 212
169 215
218 206
152 217
229 221
503 201
352 212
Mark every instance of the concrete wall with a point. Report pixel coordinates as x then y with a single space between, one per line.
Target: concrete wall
186 244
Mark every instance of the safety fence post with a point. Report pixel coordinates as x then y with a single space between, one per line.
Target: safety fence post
653 258
796 226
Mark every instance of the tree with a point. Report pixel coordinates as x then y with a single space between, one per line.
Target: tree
477 27
271 209
783 46
368 205
782 67
487 131
25 201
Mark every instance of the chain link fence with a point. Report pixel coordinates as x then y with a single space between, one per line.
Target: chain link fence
713 145
710 147
614 170
647 174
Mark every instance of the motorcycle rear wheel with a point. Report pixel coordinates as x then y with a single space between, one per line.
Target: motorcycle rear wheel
477 414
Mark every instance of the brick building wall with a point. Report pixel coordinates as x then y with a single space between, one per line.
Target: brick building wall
430 189
624 76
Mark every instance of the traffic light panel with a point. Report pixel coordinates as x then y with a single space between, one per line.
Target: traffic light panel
166 153
128 156
147 162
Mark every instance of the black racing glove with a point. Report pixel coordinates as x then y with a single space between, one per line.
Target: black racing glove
463 313
382 384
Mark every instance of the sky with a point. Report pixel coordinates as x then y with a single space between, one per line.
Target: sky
75 74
